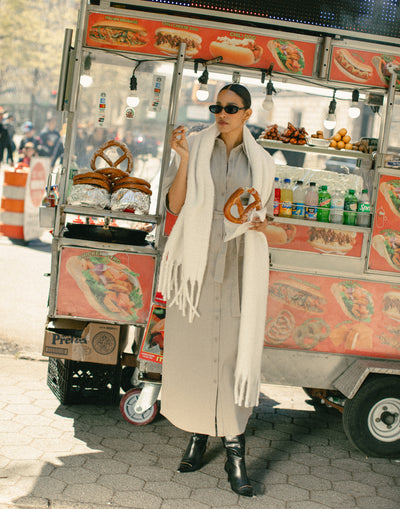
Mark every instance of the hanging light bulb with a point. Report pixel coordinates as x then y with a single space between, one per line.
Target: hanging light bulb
330 121
86 80
133 100
268 103
202 92
354 110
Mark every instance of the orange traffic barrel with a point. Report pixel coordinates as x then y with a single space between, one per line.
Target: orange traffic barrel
13 202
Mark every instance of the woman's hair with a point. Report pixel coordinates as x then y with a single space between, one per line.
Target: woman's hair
241 91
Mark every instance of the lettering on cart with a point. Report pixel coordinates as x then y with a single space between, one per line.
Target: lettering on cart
67 340
55 350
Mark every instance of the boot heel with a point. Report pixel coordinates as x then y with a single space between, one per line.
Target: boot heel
235 466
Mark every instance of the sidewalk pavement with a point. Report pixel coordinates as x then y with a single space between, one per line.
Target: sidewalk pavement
89 457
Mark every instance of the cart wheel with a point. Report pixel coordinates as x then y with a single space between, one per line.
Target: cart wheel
127 406
129 378
371 420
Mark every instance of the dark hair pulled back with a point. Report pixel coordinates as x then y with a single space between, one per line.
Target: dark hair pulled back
241 91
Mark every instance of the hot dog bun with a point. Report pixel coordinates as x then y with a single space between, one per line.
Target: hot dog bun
287 55
352 67
241 52
168 41
391 193
298 295
382 64
116 295
331 240
391 305
118 33
279 234
387 244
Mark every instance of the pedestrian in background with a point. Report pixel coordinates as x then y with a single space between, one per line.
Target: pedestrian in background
5 141
29 136
49 138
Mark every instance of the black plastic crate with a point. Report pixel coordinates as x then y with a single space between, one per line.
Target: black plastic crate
74 382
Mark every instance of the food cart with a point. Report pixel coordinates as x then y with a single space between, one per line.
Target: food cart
334 292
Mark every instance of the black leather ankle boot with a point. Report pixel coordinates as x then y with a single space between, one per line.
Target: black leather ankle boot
191 460
235 465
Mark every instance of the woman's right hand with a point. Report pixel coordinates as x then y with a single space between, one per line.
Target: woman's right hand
178 142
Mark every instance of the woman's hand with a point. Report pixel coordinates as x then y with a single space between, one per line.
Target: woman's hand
259 226
178 142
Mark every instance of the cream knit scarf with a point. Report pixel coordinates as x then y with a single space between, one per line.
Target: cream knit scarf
185 256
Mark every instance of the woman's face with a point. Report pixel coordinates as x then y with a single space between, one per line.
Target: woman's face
230 123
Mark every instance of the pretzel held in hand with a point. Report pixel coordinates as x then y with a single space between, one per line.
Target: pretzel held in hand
244 213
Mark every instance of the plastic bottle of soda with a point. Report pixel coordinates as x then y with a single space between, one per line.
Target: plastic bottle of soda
350 208
285 208
337 204
311 202
363 209
324 204
277 196
299 196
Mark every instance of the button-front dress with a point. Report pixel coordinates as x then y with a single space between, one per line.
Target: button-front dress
200 357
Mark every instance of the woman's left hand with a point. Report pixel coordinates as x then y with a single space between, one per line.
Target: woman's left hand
259 226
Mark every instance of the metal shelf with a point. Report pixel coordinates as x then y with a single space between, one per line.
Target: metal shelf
331 152
96 212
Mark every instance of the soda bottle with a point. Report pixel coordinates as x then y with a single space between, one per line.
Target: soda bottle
311 202
350 208
337 204
277 196
299 196
363 209
285 208
324 204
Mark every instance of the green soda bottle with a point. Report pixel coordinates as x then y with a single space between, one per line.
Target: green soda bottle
350 208
324 204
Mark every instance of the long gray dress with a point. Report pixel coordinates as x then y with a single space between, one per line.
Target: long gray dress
200 357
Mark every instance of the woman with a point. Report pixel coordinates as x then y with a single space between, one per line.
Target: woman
215 319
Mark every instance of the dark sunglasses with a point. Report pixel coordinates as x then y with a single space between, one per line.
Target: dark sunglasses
231 109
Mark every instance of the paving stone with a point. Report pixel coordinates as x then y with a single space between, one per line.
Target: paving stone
121 444
288 467
390 469
289 446
351 465
196 479
155 473
287 492
331 473
329 452
309 482
309 459
106 466
354 488
167 490
214 496
91 493
121 482
28 502
334 499
377 503
308 504
373 479
184 504
136 457
261 502
16 452
47 487
14 438
74 475
392 492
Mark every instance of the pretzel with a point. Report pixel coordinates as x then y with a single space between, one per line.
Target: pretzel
94 182
244 213
132 180
90 174
112 173
134 187
112 164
